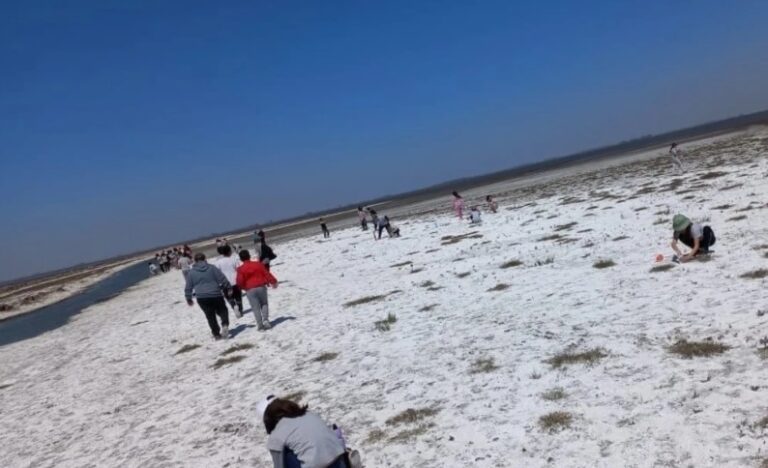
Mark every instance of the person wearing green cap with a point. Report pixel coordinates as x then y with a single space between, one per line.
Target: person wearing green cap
695 235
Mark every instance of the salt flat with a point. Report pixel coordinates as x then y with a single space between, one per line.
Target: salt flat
480 314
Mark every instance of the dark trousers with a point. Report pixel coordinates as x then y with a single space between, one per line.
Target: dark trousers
290 460
213 306
326 233
382 228
707 240
236 299
364 224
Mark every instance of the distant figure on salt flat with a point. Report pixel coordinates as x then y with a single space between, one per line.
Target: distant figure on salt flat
153 269
458 205
374 221
474 216
210 286
383 224
185 264
253 278
695 235
324 227
675 153
298 438
492 205
362 217
264 252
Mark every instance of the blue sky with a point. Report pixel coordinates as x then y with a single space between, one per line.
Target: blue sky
131 124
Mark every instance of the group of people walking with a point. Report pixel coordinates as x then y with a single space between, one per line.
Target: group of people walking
169 259
226 279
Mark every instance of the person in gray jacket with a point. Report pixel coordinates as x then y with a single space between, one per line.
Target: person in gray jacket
209 285
298 438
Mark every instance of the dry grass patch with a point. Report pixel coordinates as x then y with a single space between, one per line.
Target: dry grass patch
412 416
376 435
567 358
187 348
4 386
712 175
546 261
325 357
565 227
227 361
464 274
600 264
550 237
401 264
386 324
409 434
236 348
427 284
483 365
364 300
429 307
554 394
731 187
499 287
511 263
556 421
660 268
448 240
756 274
660 221
737 218
691 349
620 238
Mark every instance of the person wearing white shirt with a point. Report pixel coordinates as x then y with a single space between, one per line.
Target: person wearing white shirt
228 265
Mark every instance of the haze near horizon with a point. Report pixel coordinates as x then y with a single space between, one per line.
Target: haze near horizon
126 127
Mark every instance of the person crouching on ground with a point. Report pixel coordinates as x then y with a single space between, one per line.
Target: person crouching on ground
298 438
474 216
695 235
253 278
383 224
208 282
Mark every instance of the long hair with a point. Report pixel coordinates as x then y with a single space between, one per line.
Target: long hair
456 194
279 409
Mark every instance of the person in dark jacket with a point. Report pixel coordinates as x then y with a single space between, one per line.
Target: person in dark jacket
324 227
209 286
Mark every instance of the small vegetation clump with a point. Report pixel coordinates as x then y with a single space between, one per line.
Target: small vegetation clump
427 284
187 348
325 357
227 361
568 358
691 349
364 300
411 416
712 175
236 348
550 237
565 227
600 264
737 218
385 325
483 365
554 394
756 274
546 261
4 386
464 274
556 421
664 267
722 207
620 238
427 308
511 263
499 287
376 435
402 264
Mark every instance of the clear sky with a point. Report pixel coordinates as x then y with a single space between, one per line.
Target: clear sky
125 125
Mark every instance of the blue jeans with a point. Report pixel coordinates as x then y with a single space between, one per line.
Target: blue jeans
292 461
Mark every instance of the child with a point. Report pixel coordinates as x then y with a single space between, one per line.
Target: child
458 205
474 216
696 236
492 205
253 278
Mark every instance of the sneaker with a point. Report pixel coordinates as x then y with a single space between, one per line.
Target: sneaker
267 325
216 337
225 332
238 313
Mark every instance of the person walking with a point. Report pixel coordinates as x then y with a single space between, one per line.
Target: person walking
324 227
253 278
207 282
675 153
228 264
299 438
492 205
458 205
185 265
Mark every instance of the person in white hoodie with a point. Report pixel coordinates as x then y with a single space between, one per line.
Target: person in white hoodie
228 265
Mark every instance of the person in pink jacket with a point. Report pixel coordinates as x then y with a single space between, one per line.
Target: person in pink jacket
458 205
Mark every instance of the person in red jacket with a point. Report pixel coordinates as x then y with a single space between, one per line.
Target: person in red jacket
253 278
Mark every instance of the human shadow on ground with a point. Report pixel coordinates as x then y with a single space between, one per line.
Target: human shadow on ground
239 329
280 320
